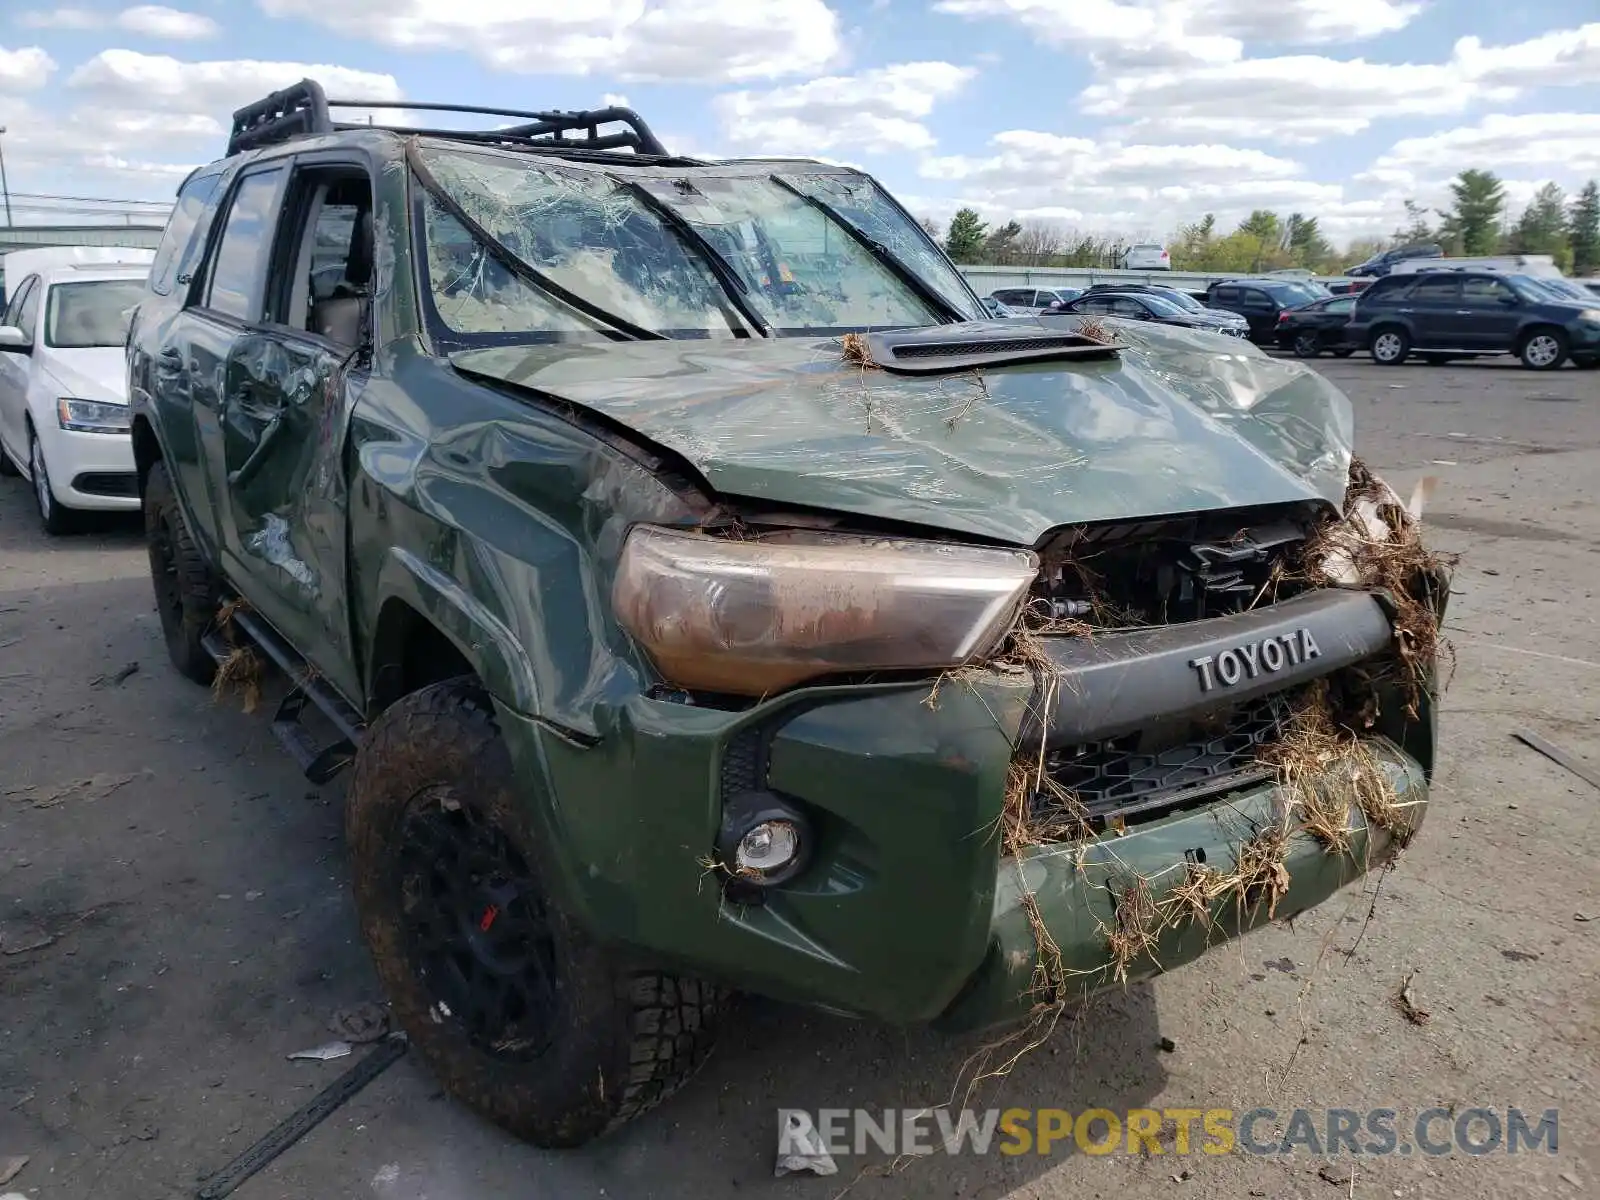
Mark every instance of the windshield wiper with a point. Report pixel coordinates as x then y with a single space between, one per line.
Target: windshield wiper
735 287
513 262
928 294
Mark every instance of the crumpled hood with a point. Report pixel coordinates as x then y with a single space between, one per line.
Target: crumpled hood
94 373
1180 421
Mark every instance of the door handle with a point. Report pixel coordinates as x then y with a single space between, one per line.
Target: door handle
1463 312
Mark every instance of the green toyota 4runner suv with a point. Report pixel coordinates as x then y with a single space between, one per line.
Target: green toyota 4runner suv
704 591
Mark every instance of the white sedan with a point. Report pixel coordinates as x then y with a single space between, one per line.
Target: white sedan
63 390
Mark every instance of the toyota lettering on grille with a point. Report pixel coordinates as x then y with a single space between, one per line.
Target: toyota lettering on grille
1249 661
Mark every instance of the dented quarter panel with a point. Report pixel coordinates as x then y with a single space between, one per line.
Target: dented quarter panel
1180 421
501 524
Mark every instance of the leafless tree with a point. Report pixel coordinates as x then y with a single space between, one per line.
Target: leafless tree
1038 243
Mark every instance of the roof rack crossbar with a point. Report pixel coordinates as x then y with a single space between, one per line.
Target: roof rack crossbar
303 110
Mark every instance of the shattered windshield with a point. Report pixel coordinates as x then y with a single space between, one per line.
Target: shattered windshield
683 256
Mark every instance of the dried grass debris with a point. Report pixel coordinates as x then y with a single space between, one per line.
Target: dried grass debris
1136 925
1329 769
240 672
857 352
1405 1000
1093 329
1377 543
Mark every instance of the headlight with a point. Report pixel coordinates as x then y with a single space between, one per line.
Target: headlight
1591 315
91 416
757 616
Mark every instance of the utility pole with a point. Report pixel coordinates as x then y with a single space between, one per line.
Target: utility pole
5 188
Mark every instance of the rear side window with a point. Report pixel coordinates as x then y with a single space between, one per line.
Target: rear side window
1480 289
1437 289
1384 292
1228 295
179 246
238 271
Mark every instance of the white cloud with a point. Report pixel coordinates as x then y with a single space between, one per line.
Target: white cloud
1302 22
1298 98
1167 33
1566 142
212 89
650 40
25 69
614 100
1116 187
880 110
155 20
1307 98
1567 56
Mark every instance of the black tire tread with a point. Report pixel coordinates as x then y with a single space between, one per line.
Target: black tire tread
196 581
646 1032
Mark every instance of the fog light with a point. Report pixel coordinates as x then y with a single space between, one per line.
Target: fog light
765 840
767 848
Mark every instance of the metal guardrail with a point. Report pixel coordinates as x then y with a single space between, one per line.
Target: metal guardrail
986 278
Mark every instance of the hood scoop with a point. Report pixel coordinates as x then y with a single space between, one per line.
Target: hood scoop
942 348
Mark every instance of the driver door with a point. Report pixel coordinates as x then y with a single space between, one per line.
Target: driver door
291 379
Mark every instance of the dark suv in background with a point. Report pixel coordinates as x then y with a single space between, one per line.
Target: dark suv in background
1463 314
1261 302
1382 264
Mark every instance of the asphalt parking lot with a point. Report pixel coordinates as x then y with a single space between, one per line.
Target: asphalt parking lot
171 931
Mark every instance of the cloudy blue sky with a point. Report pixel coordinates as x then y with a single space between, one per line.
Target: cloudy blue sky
1117 116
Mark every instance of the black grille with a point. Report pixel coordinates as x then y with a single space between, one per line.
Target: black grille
998 346
1153 771
107 483
1164 572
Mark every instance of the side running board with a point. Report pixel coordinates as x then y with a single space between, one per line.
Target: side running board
319 763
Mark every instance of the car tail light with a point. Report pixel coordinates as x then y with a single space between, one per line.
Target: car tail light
1283 316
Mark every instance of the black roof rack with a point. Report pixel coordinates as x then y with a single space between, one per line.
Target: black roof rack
304 110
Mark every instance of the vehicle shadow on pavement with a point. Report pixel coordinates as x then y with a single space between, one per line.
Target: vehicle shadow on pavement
177 900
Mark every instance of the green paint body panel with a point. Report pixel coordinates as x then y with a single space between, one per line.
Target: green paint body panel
488 496
1178 422
1076 888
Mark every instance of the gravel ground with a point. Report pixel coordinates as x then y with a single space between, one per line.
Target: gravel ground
197 899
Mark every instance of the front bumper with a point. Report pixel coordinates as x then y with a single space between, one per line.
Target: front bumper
90 470
1076 893
908 912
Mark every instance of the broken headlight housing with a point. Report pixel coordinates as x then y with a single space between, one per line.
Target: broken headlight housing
751 617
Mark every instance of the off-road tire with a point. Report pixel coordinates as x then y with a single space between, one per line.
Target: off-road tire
8 469
55 518
185 586
622 1038
1389 345
1536 339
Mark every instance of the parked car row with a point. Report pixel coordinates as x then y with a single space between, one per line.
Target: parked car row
1439 309
1448 314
